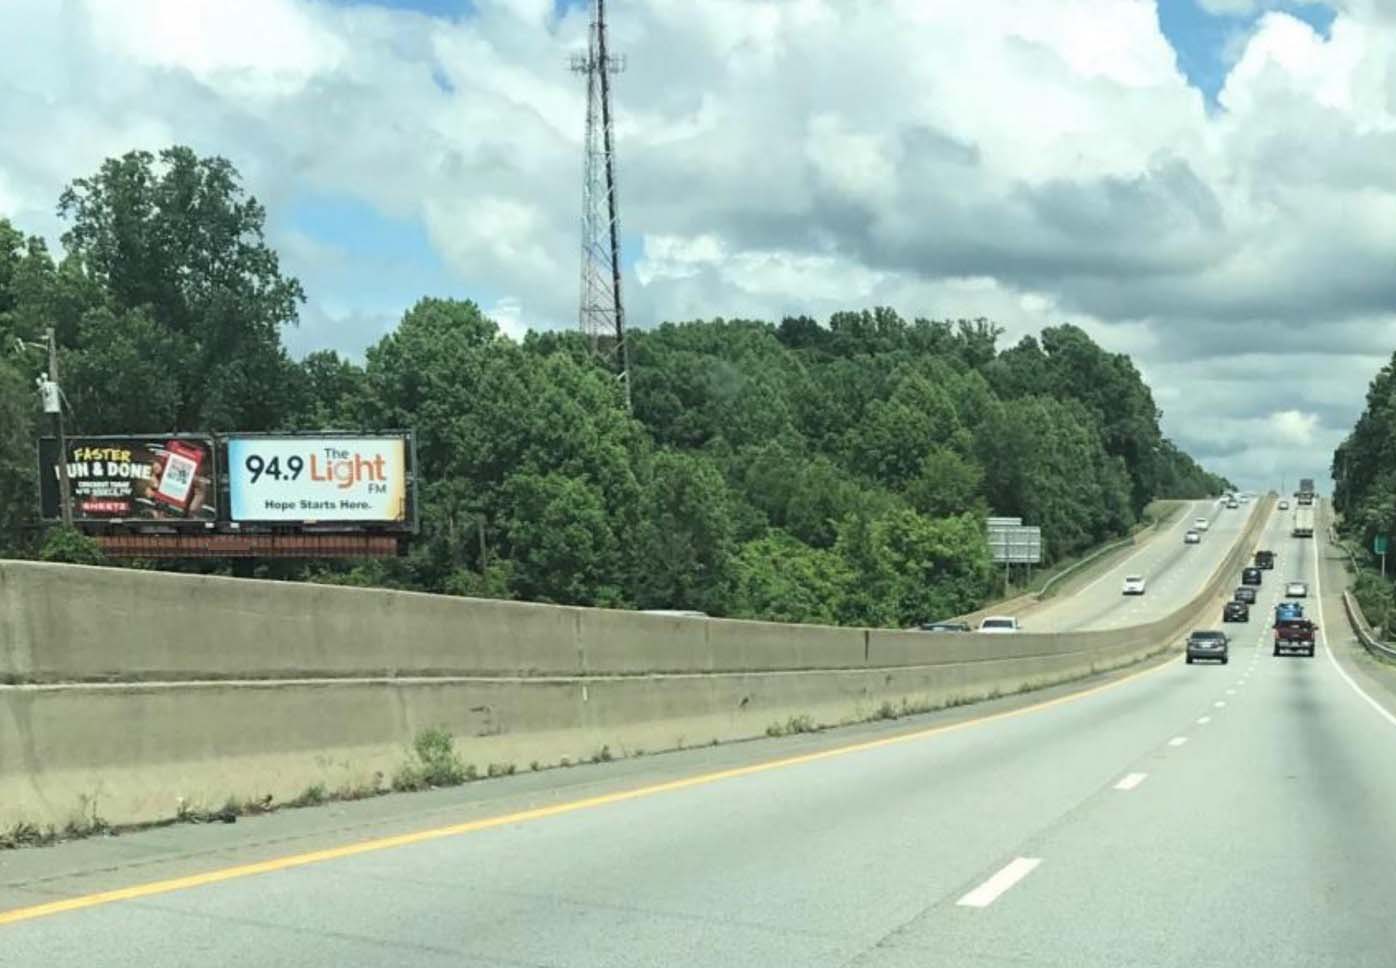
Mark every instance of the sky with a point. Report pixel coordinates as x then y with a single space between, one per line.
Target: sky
1203 184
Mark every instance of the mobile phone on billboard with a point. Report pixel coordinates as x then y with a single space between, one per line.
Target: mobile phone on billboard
176 483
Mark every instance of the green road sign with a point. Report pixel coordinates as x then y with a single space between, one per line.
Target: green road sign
1379 545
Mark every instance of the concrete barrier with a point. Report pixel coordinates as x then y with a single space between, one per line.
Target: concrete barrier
133 692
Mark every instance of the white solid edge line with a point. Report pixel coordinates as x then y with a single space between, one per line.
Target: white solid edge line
1177 741
1131 781
1328 648
989 892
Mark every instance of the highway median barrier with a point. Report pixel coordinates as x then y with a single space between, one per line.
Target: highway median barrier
132 695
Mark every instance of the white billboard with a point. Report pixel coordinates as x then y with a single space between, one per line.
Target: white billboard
314 479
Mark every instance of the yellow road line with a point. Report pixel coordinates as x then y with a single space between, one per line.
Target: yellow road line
523 816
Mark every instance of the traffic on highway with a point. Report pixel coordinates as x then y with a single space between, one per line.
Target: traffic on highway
1167 801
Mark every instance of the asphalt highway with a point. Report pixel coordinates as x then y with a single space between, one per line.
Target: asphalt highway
1173 572
1204 815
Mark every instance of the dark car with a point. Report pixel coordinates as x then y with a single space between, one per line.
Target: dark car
945 627
1236 612
1246 593
1251 576
1265 559
1209 645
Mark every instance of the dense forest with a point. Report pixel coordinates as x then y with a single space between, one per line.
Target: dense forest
1364 492
799 470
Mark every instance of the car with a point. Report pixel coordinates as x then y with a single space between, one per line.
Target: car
1286 611
1245 499
1246 593
1192 537
1251 576
999 625
1200 524
1134 585
1283 505
1265 559
1237 611
1208 644
945 627
1296 589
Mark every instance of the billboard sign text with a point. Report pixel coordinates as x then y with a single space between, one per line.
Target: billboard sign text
131 478
317 479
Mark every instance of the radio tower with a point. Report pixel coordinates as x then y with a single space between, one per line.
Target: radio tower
602 314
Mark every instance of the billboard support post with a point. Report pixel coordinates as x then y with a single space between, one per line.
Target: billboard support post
63 492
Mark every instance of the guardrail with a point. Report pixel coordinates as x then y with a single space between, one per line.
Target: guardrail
1359 624
1044 591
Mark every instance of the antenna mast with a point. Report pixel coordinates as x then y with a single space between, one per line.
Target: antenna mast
602 314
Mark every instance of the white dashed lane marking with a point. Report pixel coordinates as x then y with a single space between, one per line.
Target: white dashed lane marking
990 891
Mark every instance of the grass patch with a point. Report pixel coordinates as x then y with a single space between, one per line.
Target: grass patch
311 796
795 724
434 763
500 769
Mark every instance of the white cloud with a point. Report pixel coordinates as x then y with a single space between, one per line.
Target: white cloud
1034 161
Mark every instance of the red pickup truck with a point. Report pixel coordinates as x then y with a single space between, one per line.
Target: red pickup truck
1294 635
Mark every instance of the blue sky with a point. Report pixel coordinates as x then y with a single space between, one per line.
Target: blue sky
1202 39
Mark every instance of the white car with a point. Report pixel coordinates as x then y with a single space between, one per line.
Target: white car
1000 625
1134 585
1283 505
1192 537
1296 589
1201 524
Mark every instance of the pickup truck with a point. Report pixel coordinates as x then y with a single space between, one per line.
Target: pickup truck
1294 635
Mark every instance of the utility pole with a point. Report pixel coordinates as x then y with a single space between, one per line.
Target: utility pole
53 403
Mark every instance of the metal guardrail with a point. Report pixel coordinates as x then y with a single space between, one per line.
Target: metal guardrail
1042 592
1363 630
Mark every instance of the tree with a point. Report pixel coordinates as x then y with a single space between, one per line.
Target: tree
178 240
779 579
19 499
685 538
560 540
946 484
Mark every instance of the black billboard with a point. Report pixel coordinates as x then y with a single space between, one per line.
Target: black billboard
140 478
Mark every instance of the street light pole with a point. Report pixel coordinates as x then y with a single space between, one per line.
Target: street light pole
64 493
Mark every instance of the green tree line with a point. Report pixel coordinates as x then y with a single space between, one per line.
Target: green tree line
796 470
1364 492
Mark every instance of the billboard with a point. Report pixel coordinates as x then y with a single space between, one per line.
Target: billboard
308 480
141 478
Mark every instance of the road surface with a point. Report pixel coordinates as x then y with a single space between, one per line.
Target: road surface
1173 573
1196 816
